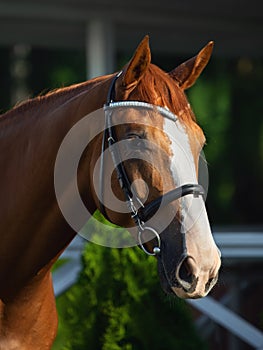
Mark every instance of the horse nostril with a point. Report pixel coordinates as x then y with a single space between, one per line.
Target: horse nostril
211 282
185 272
185 275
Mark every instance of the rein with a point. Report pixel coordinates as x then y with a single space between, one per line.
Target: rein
133 202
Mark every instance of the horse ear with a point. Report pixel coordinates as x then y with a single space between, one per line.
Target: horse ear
187 73
138 64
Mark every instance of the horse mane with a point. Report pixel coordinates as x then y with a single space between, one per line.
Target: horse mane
157 82
53 96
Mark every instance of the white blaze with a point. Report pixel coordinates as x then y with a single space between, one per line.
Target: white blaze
182 162
184 172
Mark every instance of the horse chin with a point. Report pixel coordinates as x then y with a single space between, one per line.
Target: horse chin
165 284
166 287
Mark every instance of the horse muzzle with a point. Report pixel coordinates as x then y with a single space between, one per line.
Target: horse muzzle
186 279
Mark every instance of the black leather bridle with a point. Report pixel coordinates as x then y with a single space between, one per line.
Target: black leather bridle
138 211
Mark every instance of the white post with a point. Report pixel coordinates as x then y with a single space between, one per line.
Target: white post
100 50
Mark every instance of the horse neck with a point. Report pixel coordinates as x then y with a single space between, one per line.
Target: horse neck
31 220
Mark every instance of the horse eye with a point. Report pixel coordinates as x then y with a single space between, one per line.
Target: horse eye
136 140
133 136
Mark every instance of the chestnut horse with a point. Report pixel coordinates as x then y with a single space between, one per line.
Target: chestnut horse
34 230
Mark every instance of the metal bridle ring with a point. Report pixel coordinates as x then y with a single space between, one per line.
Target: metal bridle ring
156 250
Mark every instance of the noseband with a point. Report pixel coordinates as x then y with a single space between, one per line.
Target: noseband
138 211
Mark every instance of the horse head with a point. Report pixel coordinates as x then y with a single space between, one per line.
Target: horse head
158 149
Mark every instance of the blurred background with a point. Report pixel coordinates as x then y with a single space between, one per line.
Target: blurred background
116 302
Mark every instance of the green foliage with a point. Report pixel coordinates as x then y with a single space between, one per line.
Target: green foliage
210 98
227 102
118 304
